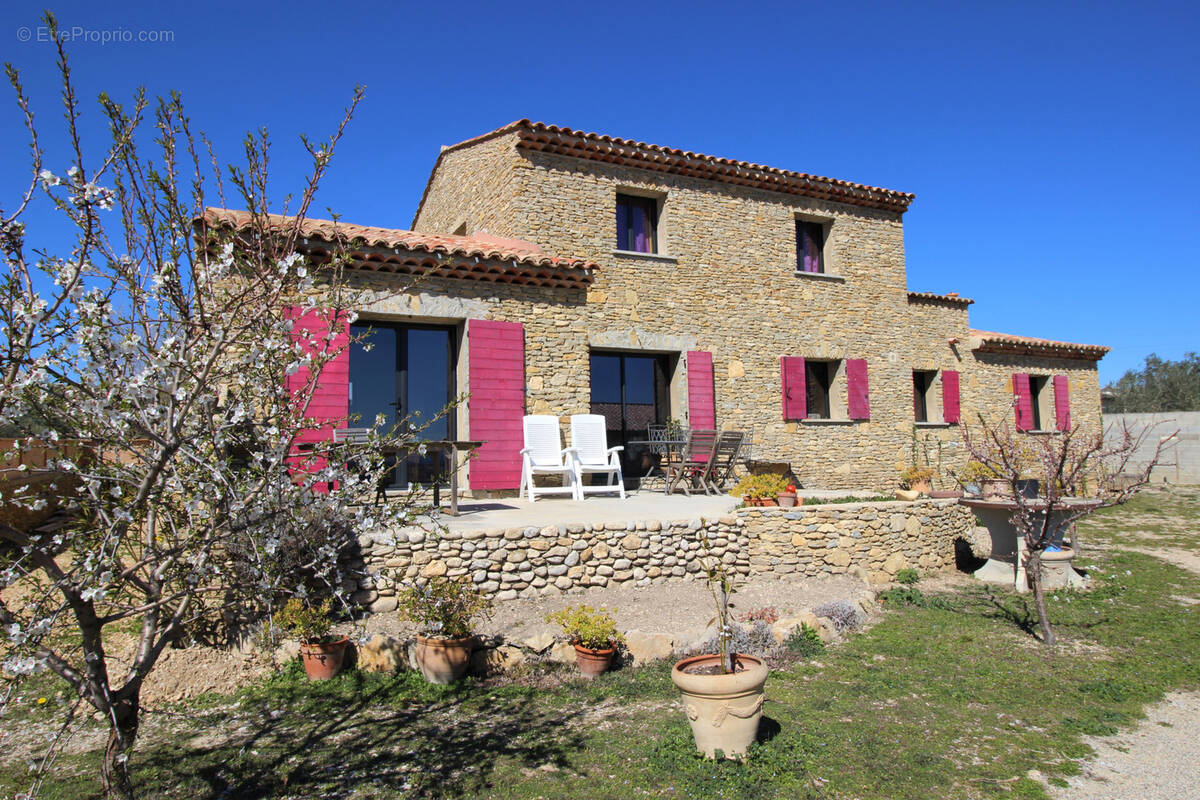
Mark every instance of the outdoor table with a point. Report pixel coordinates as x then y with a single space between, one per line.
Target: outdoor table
1005 564
451 446
667 448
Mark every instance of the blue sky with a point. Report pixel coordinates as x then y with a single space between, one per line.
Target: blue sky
1054 148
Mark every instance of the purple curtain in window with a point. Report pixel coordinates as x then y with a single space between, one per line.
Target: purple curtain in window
622 225
636 220
639 229
808 244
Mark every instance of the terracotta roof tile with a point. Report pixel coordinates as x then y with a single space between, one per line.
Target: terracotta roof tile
537 267
539 136
950 297
992 342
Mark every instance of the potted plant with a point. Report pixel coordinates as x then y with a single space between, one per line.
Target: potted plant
916 479
722 692
761 489
978 478
787 498
594 635
443 608
321 652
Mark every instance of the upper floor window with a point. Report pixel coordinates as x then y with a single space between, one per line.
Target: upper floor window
637 224
810 246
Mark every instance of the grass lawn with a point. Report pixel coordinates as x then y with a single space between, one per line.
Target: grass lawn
947 697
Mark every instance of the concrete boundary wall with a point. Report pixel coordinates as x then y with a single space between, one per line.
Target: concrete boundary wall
872 540
1180 459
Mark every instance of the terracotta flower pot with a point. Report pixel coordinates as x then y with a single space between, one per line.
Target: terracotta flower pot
444 660
995 487
724 710
323 660
593 662
922 487
786 500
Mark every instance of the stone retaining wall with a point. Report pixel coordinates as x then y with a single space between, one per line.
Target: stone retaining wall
873 540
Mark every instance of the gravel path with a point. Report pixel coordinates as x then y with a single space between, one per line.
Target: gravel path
1157 760
1160 758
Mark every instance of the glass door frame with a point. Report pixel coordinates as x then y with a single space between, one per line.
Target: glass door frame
402 379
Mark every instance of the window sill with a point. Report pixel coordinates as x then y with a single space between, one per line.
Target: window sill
934 424
811 421
1042 432
820 276
650 256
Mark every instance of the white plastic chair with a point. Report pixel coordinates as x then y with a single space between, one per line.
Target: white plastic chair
543 456
591 454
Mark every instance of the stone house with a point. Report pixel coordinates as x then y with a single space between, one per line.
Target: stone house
553 271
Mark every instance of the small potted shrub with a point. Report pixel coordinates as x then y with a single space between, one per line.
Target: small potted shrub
979 478
787 498
593 632
761 489
722 692
916 479
444 608
321 652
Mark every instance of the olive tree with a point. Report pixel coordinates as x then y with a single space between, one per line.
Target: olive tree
149 356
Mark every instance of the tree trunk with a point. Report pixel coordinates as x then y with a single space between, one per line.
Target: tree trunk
123 729
1033 574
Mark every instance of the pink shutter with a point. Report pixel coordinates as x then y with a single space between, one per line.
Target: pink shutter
1062 402
951 407
795 399
496 375
702 405
1022 401
329 403
858 399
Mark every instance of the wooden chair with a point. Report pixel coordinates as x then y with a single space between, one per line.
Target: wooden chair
694 463
726 455
591 455
543 456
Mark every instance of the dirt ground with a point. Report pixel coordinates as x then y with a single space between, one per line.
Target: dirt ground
681 608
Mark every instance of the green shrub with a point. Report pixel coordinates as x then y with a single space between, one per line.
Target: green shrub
908 576
804 641
587 627
761 486
308 623
444 606
910 596
911 475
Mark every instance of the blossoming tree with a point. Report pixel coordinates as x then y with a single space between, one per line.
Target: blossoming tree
1078 473
149 359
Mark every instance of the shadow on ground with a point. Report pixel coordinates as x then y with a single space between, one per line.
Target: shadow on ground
370 747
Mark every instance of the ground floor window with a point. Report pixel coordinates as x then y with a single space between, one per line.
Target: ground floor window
631 392
406 374
818 386
1040 400
922 383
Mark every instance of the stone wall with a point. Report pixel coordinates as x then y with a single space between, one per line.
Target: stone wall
872 539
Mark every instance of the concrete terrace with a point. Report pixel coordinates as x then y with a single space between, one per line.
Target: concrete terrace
639 505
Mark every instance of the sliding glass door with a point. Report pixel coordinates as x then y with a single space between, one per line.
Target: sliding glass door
630 392
406 374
